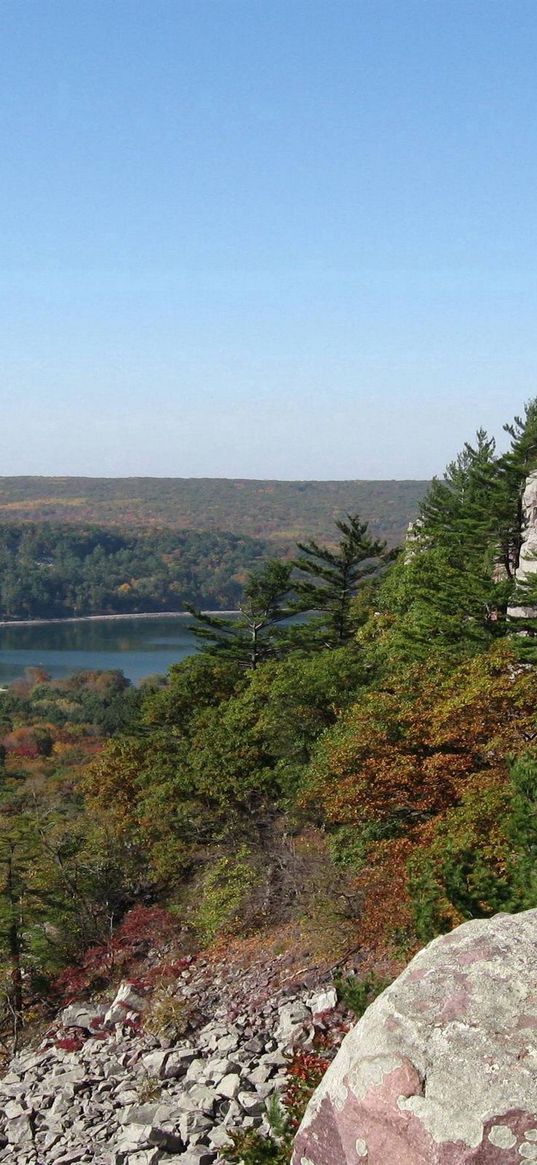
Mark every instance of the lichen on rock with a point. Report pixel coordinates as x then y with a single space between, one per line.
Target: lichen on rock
442 1068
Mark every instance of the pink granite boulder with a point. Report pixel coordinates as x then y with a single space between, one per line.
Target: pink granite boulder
442 1068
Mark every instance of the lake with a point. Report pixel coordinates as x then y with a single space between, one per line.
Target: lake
139 647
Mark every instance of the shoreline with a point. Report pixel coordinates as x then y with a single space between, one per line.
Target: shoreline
102 618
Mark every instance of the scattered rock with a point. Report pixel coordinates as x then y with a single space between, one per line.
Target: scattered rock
127 1099
322 1001
229 1086
81 1015
292 1018
127 1000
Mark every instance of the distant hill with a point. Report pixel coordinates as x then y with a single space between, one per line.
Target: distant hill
280 511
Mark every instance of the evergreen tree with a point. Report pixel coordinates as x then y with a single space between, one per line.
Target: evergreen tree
447 590
253 636
506 498
329 580
514 468
522 834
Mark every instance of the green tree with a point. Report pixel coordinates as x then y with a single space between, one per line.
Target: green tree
16 856
253 636
329 580
506 499
446 588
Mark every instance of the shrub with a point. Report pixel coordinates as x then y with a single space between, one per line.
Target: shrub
357 994
168 1016
142 928
225 890
284 1115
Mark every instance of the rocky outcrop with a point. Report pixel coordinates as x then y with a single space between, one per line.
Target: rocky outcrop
528 554
442 1068
101 1089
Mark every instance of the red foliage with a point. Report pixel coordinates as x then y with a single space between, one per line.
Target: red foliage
305 1072
168 971
143 928
28 741
69 1043
134 1024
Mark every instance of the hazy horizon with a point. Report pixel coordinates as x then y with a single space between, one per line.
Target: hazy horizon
193 477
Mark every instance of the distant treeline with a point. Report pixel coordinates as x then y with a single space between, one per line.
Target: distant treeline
283 512
54 571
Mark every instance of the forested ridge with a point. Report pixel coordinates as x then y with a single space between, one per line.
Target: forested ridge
280 511
363 779
53 571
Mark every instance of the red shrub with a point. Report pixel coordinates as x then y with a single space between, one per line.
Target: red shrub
143 928
69 1043
305 1072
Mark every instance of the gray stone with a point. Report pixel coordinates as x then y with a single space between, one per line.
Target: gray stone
127 999
229 1086
154 1063
442 1068
195 1070
145 1157
217 1068
20 1131
142 1114
322 1001
81 1015
292 1017
203 1098
197 1155
251 1103
192 1124
227 1043
126 1096
70 1157
260 1074
133 1137
177 1063
219 1137
274 1059
13 1109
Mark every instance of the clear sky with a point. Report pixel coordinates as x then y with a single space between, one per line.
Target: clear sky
264 238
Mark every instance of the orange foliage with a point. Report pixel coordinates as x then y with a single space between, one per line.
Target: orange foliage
407 754
432 749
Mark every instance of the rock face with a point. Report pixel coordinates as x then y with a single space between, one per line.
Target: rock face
442 1068
528 563
528 554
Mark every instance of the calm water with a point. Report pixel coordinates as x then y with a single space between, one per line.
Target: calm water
139 647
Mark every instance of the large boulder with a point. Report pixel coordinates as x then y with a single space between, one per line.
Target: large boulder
442 1068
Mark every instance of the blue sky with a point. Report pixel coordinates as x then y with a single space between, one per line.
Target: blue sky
264 238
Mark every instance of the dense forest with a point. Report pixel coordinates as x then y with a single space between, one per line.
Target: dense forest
53 571
281 511
366 777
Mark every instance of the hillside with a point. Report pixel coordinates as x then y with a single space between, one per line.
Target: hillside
292 807
282 511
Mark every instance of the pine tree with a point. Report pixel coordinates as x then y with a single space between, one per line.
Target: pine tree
447 590
329 580
253 636
514 469
506 498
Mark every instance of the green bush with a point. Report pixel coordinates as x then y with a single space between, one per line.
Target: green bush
225 890
358 994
